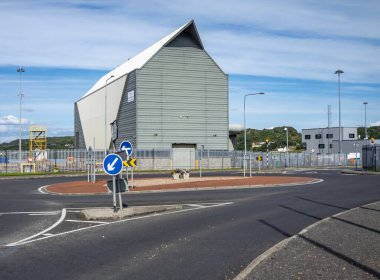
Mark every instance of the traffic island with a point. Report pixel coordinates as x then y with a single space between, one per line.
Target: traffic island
108 213
168 184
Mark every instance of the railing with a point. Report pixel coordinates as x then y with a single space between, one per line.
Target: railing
79 160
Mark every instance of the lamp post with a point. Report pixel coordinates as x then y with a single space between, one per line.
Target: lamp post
105 116
287 145
21 95
245 131
339 72
365 119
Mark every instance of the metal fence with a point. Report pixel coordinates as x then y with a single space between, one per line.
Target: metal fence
80 160
371 157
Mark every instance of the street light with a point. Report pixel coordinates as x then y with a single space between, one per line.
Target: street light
365 119
287 144
339 72
105 116
245 131
21 95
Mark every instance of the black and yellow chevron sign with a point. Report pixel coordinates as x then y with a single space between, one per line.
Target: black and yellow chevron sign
259 158
130 162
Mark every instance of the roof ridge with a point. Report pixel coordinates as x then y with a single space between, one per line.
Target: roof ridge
138 60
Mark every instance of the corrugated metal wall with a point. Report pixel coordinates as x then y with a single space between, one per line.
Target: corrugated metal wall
126 118
182 97
78 132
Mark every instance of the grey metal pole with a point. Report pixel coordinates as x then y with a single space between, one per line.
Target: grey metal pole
114 192
245 131
365 119
245 138
339 72
20 70
120 199
250 166
200 162
287 147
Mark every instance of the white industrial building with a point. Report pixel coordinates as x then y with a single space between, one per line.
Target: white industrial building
171 95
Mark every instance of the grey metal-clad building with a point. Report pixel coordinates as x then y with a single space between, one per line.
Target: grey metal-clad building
171 95
326 140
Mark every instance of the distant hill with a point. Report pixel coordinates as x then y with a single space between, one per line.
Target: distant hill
53 143
373 131
276 136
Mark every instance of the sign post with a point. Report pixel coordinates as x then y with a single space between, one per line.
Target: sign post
112 165
259 159
250 165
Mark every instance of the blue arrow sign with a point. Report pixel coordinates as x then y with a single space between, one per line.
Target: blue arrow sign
127 147
112 164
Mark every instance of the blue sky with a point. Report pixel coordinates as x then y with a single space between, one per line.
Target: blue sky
288 49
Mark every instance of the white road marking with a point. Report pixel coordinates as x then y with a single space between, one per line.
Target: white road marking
31 213
48 234
73 211
89 222
25 240
42 189
42 214
196 205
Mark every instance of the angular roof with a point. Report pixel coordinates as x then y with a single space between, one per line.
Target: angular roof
143 57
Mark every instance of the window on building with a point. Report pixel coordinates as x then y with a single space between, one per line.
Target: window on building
330 146
351 135
329 135
131 96
321 146
304 145
307 137
318 136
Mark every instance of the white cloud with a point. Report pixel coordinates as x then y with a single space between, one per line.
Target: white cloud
375 123
291 38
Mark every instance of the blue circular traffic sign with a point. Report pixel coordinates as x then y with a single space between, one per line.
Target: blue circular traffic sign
127 147
112 164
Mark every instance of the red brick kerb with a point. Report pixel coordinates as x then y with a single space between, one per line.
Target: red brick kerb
162 184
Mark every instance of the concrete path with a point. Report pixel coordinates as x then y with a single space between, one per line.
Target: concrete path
344 246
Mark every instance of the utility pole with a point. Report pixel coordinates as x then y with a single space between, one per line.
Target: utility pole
21 95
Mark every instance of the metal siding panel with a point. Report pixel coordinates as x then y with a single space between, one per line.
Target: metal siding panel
126 118
182 82
78 129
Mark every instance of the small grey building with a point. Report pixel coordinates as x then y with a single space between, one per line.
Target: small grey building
171 95
326 140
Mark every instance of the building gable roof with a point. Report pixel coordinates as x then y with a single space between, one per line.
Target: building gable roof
143 57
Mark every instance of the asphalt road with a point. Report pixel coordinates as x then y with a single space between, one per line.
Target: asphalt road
215 236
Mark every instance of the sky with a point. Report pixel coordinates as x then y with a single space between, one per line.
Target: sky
288 49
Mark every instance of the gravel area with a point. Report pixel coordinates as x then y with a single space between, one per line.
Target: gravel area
160 184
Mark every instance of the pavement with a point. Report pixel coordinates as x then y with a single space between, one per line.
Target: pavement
169 184
343 246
